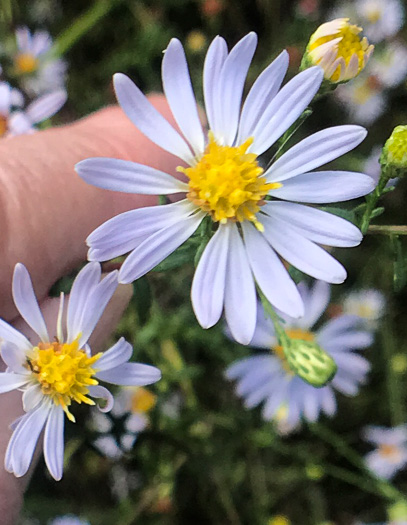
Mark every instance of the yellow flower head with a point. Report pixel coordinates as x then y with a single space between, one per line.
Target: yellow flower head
339 50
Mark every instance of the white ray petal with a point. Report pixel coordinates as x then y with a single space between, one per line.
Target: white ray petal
54 442
214 60
130 374
116 355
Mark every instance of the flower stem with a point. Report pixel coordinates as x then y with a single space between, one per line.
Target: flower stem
371 201
283 338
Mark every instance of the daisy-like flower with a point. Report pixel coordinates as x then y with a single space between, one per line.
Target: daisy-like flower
266 377
68 520
390 455
381 20
58 370
367 304
228 185
131 406
390 65
363 99
33 62
337 47
16 121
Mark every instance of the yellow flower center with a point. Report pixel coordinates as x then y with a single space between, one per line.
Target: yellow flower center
26 63
64 372
349 45
3 125
143 400
390 452
293 333
226 183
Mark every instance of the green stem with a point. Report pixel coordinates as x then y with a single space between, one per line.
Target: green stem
385 488
282 336
387 230
81 26
371 201
393 384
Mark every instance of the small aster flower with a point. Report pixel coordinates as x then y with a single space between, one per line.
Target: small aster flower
390 65
390 455
54 372
367 304
33 62
364 99
337 48
131 406
267 378
381 20
14 120
68 520
227 184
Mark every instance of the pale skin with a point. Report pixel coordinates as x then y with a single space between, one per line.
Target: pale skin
46 213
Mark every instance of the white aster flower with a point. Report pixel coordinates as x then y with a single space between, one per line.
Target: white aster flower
363 99
227 184
368 304
390 455
33 62
381 19
266 377
131 405
68 520
390 65
55 371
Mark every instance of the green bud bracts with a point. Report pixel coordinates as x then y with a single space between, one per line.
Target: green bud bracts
393 159
310 362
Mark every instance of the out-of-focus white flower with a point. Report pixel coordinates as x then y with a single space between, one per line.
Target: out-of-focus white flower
390 455
267 378
60 370
39 71
363 99
390 65
69 519
228 187
337 48
368 304
381 19
132 405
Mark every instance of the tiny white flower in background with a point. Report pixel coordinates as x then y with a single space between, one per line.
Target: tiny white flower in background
363 98
368 304
58 369
390 455
133 404
266 377
390 65
228 185
33 62
68 520
380 19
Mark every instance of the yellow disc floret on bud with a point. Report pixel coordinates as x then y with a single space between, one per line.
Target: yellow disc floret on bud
64 372
26 63
227 184
338 49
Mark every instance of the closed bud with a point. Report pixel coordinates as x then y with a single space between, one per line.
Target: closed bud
393 159
310 362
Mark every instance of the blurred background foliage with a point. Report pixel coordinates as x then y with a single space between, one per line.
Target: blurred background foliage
205 459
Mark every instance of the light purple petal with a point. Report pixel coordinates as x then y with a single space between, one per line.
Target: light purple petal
11 335
262 92
148 120
100 392
315 306
270 274
128 177
208 286
14 356
316 225
130 374
214 60
325 186
285 108
46 106
26 302
315 151
157 247
10 381
116 355
240 292
32 397
54 442
336 326
179 93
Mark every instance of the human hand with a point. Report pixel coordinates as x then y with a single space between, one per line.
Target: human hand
46 213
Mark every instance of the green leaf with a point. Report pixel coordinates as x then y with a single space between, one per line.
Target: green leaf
349 215
183 255
142 298
399 264
377 212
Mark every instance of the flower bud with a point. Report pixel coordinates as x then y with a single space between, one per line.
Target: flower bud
310 362
338 49
393 159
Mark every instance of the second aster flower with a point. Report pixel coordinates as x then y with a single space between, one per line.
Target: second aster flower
226 182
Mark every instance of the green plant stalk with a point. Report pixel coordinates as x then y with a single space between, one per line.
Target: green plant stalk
283 338
371 201
383 487
81 26
392 380
387 230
